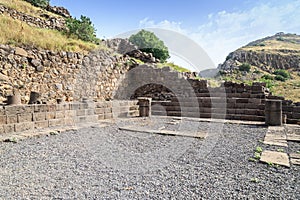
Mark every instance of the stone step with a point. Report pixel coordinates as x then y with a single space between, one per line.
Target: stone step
209 115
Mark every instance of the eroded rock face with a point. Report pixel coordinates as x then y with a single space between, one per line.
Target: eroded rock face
59 11
123 46
285 59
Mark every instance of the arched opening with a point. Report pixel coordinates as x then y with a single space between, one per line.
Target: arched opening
155 91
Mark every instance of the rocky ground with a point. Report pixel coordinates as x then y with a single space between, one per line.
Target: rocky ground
106 163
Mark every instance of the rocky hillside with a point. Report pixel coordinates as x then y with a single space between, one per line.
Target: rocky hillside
266 60
281 51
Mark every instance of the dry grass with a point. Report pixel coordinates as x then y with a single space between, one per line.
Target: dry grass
20 33
289 89
274 45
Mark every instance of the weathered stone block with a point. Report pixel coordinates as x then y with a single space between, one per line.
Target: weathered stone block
51 108
69 121
108 116
11 119
74 106
1 129
70 113
40 108
80 112
24 118
50 115
40 116
3 119
90 112
62 107
59 114
56 122
99 111
26 126
101 117
41 124
9 128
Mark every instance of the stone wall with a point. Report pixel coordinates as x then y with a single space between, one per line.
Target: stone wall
44 21
22 118
57 75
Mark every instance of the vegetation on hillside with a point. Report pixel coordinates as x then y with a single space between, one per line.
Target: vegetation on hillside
82 29
39 3
148 42
80 37
280 82
22 34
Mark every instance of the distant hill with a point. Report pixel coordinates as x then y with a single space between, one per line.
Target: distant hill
267 60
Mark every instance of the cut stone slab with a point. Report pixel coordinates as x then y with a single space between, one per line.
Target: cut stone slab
275 158
164 132
276 128
293 137
295 155
278 139
295 161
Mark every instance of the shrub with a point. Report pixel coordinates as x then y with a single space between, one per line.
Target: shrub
82 29
280 78
39 3
245 67
148 42
284 73
267 77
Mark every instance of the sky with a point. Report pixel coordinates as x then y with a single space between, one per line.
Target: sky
217 26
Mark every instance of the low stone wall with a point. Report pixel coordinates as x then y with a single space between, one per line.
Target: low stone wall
22 118
45 21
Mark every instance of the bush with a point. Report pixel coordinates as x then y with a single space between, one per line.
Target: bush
280 78
39 3
269 83
148 42
245 67
82 29
267 77
284 73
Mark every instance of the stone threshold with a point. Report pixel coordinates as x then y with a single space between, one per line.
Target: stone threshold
200 135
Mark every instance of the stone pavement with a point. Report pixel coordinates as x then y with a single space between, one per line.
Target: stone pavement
280 136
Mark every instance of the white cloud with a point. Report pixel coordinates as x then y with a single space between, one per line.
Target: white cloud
226 31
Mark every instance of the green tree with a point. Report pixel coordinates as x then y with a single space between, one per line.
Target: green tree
82 29
39 3
148 42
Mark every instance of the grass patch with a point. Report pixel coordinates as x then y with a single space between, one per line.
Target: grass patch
173 66
20 33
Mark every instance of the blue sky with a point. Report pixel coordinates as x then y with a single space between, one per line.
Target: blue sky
218 26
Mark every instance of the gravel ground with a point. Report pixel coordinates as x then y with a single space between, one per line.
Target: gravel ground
105 163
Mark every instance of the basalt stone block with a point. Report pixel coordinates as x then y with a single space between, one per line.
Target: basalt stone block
273 112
